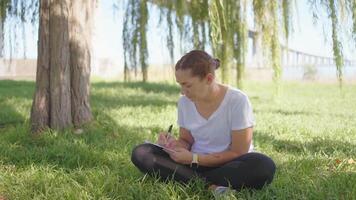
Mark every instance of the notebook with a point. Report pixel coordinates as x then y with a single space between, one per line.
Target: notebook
160 146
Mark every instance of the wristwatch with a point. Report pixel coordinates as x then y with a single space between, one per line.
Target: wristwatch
195 162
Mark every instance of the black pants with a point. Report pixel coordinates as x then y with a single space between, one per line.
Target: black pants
251 170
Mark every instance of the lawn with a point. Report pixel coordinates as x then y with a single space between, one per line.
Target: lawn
309 131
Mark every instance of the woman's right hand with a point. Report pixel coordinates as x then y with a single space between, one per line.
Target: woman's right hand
166 140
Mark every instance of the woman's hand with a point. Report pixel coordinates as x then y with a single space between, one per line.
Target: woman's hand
166 140
181 155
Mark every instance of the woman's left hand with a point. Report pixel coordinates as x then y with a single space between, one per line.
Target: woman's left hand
181 155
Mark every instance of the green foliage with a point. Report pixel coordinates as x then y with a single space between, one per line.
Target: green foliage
353 10
20 11
337 47
286 10
220 39
228 29
240 43
170 39
267 23
143 18
310 135
134 37
229 36
192 31
337 11
275 45
220 24
198 11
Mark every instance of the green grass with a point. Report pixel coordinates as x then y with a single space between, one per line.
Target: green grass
310 132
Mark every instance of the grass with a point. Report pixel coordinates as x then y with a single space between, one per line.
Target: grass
310 132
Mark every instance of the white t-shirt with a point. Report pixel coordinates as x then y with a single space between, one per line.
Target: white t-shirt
213 135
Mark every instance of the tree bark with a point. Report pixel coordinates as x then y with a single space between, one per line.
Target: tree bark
60 102
80 46
40 106
63 67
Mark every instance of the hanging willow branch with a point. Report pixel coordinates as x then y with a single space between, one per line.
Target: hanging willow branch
239 34
337 47
2 22
180 12
170 40
266 21
275 44
167 14
219 35
20 12
286 9
227 28
143 18
134 37
4 6
353 11
203 20
229 35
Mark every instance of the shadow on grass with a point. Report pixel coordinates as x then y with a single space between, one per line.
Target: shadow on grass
155 94
9 89
136 100
104 143
99 146
147 87
316 145
9 116
306 178
20 89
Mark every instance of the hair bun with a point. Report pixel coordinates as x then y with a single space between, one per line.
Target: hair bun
217 63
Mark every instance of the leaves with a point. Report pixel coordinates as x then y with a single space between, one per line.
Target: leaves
351 161
341 164
134 37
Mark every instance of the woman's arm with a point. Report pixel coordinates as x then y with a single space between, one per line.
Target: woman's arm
241 141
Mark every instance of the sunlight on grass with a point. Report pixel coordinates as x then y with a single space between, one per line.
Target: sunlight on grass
310 132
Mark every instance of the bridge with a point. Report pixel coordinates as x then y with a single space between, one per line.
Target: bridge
291 57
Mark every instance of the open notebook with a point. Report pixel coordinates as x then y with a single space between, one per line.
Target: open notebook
160 146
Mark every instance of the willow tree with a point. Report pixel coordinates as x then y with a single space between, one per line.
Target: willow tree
225 21
266 23
20 12
4 5
63 65
135 38
219 24
338 12
172 12
229 36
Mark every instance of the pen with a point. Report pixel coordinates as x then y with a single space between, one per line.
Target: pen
170 130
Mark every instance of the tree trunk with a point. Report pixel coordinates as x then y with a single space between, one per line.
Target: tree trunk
63 67
80 46
60 98
40 105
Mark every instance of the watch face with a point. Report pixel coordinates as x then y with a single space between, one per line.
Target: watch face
194 165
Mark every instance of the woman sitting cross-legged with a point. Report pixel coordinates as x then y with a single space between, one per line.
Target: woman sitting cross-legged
215 135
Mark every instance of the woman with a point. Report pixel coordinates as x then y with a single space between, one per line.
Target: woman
215 135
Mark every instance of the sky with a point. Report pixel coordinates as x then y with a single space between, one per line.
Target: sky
107 38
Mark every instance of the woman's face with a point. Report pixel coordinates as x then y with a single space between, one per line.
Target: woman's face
192 87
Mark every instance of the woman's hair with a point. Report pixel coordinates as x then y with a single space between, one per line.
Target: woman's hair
199 62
